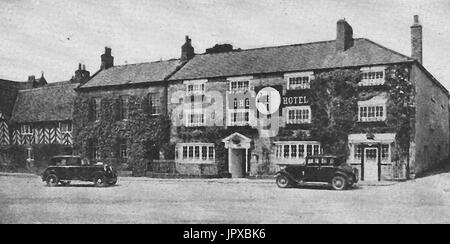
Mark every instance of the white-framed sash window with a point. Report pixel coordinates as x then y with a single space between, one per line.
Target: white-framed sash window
195 153
372 76
299 80
195 118
297 149
195 87
373 109
298 115
370 113
239 84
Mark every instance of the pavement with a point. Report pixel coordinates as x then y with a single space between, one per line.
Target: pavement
24 198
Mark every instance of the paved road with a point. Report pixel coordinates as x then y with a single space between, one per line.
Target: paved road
28 200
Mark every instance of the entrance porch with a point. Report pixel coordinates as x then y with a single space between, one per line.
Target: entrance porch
238 147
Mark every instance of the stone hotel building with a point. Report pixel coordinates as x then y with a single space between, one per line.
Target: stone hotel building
242 113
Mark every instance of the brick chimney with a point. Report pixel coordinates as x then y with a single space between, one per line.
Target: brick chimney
416 39
187 50
107 59
81 74
344 36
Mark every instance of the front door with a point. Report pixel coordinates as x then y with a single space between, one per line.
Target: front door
371 164
237 163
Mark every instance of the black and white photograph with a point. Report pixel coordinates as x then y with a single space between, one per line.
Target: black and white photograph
224 112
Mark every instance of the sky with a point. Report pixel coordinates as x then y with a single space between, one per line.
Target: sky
53 36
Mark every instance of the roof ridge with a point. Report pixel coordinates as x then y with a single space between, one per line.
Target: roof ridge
280 46
46 86
388 49
150 62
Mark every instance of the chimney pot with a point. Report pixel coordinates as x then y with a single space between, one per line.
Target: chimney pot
416 19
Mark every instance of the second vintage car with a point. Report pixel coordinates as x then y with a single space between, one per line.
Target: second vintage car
318 168
64 169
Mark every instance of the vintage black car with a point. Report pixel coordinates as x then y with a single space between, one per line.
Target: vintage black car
318 168
64 169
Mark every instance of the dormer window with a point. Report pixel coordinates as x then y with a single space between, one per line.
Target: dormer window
372 76
298 81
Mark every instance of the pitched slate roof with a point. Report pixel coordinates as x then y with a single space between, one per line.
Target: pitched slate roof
8 94
48 103
299 57
134 74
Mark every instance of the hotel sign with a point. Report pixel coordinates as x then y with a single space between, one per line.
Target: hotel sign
295 98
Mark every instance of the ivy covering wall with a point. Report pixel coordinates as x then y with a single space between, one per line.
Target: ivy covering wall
142 131
334 97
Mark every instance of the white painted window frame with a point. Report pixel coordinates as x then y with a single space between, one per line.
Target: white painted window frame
372 105
196 111
289 76
210 159
298 121
279 148
375 81
198 87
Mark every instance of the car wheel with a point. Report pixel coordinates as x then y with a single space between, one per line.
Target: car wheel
283 181
52 180
338 183
113 182
100 181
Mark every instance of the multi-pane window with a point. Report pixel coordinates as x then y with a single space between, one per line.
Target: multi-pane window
96 108
370 113
372 76
299 83
357 152
196 152
239 118
239 85
299 115
297 149
65 127
296 81
124 107
194 113
195 88
26 130
195 118
155 103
